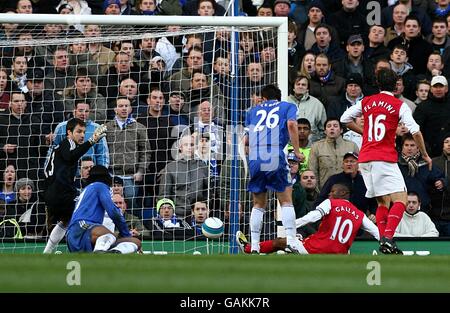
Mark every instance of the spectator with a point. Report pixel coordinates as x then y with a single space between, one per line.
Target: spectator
7 193
422 91
265 9
308 181
325 44
308 65
433 115
400 90
417 176
181 80
26 210
199 213
221 75
376 50
325 83
165 218
440 201
80 57
353 93
326 154
421 15
85 90
308 107
304 133
351 177
268 58
145 7
253 79
99 152
418 48
354 62
24 7
128 88
397 28
135 225
439 38
298 193
349 21
160 140
175 109
295 51
306 35
97 51
129 150
371 86
18 74
414 222
111 7
19 139
351 135
61 75
185 179
86 163
192 8
4 94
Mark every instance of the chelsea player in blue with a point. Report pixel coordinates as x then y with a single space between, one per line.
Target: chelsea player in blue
86 232
270 125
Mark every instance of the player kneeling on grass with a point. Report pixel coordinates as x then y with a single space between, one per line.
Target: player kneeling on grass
341 221
86 232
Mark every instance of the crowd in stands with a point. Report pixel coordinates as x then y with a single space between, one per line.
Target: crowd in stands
166 102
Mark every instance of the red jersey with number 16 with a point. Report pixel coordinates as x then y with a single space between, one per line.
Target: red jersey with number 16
340 224
381 116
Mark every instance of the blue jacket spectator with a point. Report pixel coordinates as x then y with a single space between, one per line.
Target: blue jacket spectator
99 152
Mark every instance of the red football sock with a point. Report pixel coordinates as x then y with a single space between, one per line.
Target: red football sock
381 217
264 247
394 218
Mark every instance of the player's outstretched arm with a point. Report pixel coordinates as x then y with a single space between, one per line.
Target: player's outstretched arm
368 226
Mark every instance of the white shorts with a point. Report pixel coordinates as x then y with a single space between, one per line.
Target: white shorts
381 178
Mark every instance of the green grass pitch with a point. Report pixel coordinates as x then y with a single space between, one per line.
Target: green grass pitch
223 273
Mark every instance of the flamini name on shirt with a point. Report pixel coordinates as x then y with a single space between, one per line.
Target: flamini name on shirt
348 210
381 104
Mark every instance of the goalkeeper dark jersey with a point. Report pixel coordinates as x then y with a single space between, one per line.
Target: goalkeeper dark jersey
60 169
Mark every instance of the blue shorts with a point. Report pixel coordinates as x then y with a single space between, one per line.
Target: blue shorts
261 180
79 237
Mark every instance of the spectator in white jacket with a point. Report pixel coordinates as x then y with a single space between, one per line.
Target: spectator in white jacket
414 222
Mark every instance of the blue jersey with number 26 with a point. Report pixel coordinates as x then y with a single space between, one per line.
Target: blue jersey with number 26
267 126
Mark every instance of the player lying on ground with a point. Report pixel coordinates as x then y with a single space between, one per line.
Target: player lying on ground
86 232
341 221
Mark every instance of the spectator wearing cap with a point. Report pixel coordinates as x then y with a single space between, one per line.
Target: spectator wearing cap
433 115
165 218
326 155
349 20
298 193
308 107
354 62
46 111
281 8
175 109
353 93
111 7
26 210
304 133
300 10
440 201
351 177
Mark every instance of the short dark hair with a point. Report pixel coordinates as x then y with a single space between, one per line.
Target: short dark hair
413 193
387 79
332 118
271 92
87 158
304 121
78 101
72 123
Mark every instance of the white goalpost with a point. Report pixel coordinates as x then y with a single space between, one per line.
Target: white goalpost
189 81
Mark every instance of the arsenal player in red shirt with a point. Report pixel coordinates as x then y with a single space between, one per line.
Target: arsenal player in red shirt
378 157
341 221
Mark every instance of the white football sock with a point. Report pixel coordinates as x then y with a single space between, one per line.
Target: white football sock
104 242
126 247
55 237
256 220
288 220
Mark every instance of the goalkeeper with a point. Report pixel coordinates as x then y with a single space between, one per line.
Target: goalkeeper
60 169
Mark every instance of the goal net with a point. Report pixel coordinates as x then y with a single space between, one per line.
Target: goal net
173 92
